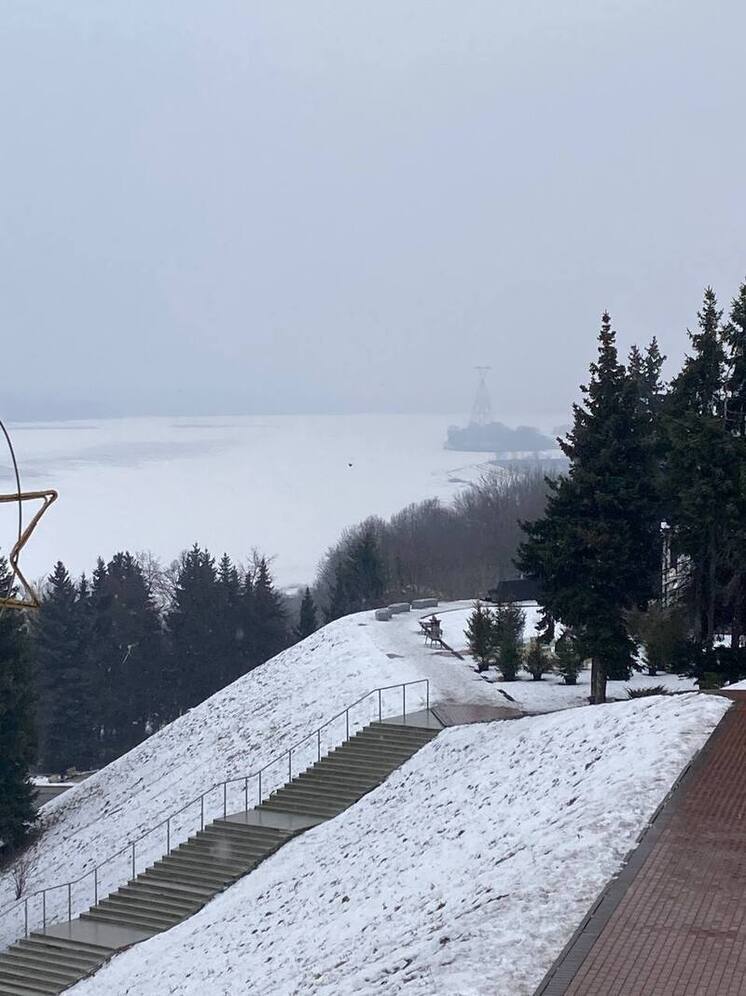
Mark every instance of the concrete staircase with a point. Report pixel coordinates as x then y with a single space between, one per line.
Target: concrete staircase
191 874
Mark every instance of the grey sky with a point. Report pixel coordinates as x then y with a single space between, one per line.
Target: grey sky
234 206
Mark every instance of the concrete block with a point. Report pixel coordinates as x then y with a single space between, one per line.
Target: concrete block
425 603
383 615
398 607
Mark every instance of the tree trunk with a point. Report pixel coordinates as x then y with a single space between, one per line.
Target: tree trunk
711 592
736 626
598 681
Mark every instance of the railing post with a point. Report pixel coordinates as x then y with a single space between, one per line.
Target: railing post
260 788
168 834
380 715
318 744
290 765
225 799
95 886
69 902
347 723
404 703
246 794
202 811
133 859
44 909
427 692
25 919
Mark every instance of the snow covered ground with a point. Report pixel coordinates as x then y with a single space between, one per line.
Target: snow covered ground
500 789
465 873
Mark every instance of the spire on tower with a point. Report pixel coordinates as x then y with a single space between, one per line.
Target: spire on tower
481 412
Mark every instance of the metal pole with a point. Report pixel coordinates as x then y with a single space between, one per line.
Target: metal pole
318 744
133 859
290 765
404 703
427 692
69 902
260 788
347 723
44 909
225 799
380 716
25 919
168 834
202 811
246 794
95 886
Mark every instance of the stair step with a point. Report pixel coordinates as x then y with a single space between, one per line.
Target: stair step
36 973
399 729
210 883
37 966
134 908
184 907
197 859
356 763
16 989
141 921
66 956
218 848
22 987
306 809
158 881
319 789
245 831
374 752
197 874
66 943
64 963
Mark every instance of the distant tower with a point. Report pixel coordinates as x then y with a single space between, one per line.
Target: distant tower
481 412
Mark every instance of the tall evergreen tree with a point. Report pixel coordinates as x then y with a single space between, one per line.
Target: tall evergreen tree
66 713
307 622
127 656
596 550
734 336
230 650
480 636
192 621
17 732
270 623
699 479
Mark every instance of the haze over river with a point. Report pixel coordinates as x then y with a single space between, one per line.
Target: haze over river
286 485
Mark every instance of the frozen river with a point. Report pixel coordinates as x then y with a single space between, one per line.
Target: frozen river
285 484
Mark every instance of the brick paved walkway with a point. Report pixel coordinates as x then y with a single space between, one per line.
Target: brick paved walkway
674 923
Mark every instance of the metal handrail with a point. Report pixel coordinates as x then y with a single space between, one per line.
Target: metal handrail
288 753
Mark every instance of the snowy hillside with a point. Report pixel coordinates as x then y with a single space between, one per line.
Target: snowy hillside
241 728
465 873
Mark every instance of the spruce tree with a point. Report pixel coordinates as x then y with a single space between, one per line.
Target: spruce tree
230 649
596 549
509 621
307 623
568 653
66 713
537 660
699 479
192 620
734 336
17 732
480 636
270 623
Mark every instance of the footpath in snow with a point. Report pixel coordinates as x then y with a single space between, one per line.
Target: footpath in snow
465 873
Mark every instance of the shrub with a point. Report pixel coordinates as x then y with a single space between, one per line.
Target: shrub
641 693
569 657
480 635
509 621
537 661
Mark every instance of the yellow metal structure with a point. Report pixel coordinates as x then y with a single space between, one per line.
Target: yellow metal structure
28 599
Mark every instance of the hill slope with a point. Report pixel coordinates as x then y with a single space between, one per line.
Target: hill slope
464 873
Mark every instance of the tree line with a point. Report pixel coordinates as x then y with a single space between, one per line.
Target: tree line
645 536
449 550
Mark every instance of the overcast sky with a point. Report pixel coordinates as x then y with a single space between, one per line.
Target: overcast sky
342 206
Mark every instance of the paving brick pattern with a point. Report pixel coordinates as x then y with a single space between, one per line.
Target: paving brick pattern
679 929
